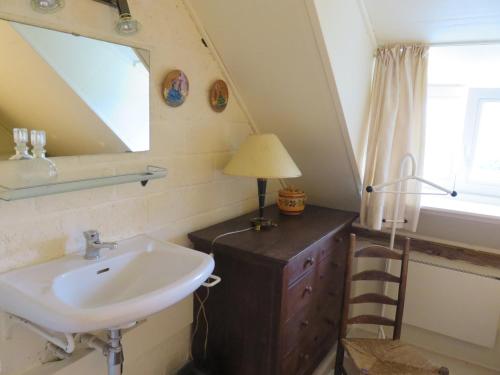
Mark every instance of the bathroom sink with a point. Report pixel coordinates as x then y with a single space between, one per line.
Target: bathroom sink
71 294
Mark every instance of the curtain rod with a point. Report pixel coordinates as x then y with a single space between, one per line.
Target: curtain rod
445 44
463 43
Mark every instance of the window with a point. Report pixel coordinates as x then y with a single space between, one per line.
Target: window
482 135
462 147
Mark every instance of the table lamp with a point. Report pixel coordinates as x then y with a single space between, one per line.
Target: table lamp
262 156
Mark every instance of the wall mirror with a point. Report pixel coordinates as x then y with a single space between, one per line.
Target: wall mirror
90 96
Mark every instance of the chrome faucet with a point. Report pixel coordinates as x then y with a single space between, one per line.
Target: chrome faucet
94 245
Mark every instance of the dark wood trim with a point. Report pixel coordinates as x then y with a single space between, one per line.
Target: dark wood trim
450 252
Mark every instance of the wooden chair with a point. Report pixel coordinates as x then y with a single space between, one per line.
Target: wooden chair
378 356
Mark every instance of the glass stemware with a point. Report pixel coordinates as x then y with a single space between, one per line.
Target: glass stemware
21 139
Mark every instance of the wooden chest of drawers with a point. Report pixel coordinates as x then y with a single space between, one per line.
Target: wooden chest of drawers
277 309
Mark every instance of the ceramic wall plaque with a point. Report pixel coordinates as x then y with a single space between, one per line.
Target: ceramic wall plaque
219 96
175 88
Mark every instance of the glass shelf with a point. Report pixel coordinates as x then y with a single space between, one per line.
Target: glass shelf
10 193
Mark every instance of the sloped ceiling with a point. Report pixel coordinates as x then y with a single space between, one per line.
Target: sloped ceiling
269 49
434 21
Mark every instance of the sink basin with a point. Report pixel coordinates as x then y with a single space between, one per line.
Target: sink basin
71 294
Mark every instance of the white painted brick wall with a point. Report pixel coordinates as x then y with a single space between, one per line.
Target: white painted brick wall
191 141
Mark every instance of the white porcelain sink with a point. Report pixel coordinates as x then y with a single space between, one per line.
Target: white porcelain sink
71 294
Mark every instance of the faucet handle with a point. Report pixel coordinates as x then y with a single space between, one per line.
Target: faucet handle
91 235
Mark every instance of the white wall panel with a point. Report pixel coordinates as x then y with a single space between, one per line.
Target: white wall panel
455 304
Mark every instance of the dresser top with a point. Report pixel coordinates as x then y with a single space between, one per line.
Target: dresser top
279 244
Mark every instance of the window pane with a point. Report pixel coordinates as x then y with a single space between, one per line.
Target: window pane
486 162
462 148
443 135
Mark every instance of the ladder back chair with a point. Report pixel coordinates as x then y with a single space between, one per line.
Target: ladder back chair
378 356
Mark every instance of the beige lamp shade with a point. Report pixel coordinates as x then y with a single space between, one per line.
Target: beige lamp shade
262 156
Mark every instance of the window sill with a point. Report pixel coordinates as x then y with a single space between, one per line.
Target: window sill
464 206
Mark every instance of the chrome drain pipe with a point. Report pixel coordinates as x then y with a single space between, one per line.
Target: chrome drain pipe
115 352
112 349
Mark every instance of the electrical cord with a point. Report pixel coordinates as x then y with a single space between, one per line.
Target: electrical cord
201 302
201 309
224 235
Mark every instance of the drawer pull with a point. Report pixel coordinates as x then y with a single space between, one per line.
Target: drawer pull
309 261
339 239
334 264
304 356
332 293
304 323
308 289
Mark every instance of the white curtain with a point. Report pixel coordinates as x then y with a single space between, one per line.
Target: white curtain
396 127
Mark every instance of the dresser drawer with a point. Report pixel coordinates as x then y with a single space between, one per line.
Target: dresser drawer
301 264
327 316
299 295
327 325
330 276
330 286
328 309
302 359
333 243
331 266
297 330
299 361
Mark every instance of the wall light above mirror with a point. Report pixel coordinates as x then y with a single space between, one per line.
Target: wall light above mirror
47 6
88 95
126 25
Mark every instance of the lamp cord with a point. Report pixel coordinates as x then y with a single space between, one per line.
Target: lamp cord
224 235
201 302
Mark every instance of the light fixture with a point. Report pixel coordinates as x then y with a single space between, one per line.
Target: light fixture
47 6
262 156
125 25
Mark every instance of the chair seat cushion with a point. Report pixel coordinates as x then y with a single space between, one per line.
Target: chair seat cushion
387 357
